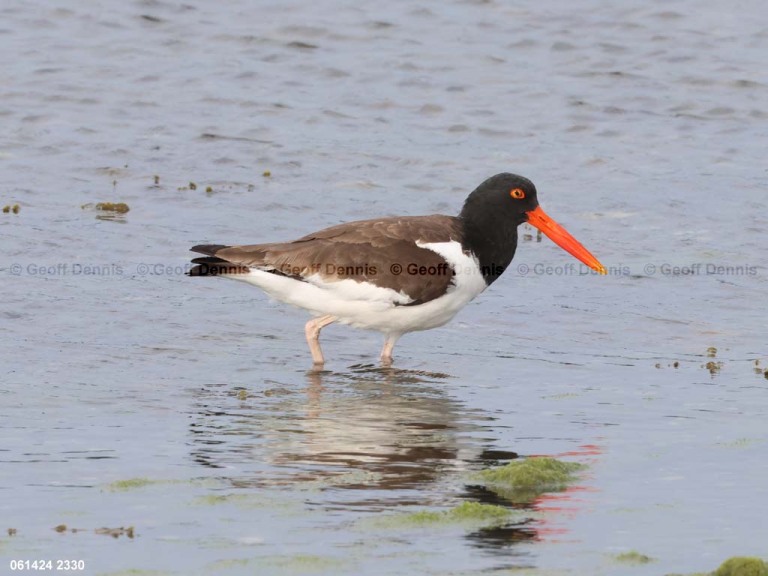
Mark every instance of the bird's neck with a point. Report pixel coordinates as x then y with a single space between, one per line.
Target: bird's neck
493 244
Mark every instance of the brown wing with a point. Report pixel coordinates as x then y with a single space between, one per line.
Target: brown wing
382 252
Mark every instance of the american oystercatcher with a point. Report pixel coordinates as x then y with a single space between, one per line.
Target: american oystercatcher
394 275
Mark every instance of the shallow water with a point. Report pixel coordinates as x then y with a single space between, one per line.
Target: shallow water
134 396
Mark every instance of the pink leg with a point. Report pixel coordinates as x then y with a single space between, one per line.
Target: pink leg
312 330
389 345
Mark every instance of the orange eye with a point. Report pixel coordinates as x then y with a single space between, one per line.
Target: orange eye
517 193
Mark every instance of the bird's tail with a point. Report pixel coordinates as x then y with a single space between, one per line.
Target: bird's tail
211 265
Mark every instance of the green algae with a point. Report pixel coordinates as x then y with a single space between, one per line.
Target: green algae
232 563
135 484
119 207
632 557
742 566
299 564
562 396
713 367
309 562
130 484
250 501
130 531
736 566
241 500
740 443
466 513
524 480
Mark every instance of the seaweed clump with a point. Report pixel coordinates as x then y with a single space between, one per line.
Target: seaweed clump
633 557
742 566
472 513
525 480
713 367
118 207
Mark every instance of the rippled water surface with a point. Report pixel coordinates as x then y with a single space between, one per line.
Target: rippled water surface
179 414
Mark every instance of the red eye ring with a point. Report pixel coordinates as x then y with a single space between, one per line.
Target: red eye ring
517 193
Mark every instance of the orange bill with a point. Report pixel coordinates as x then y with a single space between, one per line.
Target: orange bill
560 236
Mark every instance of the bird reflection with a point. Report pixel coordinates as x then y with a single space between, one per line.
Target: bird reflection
366 428
395 430
366 439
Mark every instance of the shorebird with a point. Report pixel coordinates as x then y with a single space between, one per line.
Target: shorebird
394 275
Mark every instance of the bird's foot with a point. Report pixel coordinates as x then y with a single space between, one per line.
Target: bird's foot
317 366
386 353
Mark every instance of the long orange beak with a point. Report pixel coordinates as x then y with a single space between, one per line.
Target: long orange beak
560 236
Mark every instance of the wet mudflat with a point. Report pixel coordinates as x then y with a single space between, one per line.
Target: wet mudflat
156 424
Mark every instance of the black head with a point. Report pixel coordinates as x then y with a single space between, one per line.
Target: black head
503 198
493 212
491 215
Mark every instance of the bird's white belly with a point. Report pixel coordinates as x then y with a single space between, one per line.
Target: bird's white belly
365 305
